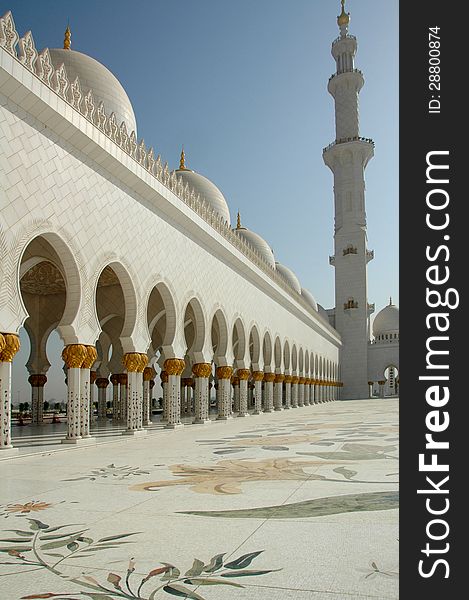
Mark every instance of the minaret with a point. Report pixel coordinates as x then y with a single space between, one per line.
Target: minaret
347 157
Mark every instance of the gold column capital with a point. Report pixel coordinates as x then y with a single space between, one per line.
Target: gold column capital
302 380
10 347
73 355
93 376
135 362
234 381
122 378
279 378
381 382
164 377
114 378
102 382
269 377
258 375
202 369
370 382
295 379
91 356
174 366
243 374
149 373
224 372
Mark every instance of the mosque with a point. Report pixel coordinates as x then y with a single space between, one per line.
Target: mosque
93 228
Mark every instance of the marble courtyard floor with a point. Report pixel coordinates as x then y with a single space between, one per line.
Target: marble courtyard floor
299 504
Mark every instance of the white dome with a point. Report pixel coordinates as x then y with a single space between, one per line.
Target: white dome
258 244
308 296
96 77
207 190
288 274
386 321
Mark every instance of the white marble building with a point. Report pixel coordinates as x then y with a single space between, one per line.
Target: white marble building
139 270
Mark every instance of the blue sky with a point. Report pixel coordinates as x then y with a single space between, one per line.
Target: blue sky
243 85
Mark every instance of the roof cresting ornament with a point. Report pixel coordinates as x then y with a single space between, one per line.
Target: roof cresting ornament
67 38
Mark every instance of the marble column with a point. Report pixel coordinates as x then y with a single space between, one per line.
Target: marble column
149 374
288 380
150 397
202 372
123 396
224 392
307 400
101 384
294 391
235 384
85 394
135 363
37 381
278 391
164 386
301 391
269 379
9 346
243 376
115 397
251 387
370 389
174 367
381 388
74 355
93 377
258 377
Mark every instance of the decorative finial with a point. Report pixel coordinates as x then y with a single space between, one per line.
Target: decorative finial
182 161
390 300
344 18
238 222
67 39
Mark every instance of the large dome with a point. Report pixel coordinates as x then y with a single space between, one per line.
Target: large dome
386 322
308 296
96 77
288 274
208 191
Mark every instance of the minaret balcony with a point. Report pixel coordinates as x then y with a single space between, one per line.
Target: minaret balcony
370 254
371 308
332 260
356 138
346 71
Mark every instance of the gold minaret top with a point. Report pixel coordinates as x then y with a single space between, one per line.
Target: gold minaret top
182 161
343 18
67 39
238 222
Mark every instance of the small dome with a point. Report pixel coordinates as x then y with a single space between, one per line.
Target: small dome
288 274
258 243
308 296
386 321
208 191
96 77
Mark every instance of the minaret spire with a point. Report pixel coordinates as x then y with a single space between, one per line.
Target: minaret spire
238 222
343 20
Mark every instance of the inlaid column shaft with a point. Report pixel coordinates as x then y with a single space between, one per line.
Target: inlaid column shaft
269 379
123 396
74 355
101 384
9 346
85 394
135 363
164 387
278 391
149 374
301 391
258 376
174 367
235 384
37 382
288 380
224 392
202 372
115 397
243 376
294 391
